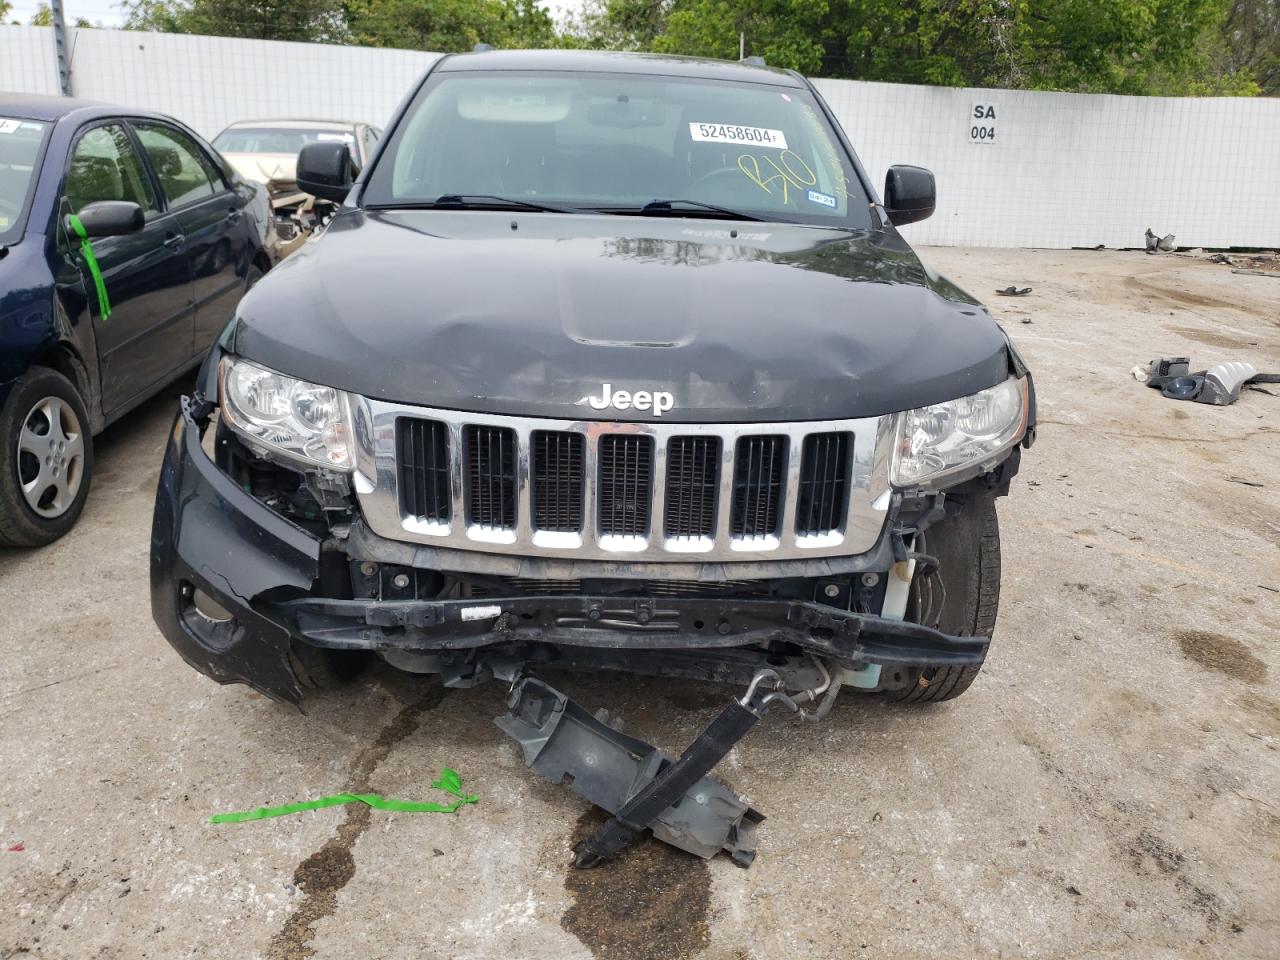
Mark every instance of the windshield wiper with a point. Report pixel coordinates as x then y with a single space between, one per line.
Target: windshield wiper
667 208
473 201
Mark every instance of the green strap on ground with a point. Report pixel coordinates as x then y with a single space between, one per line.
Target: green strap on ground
86 248
449 782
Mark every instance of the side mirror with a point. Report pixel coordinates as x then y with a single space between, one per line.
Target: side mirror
909 194
326 170
108 218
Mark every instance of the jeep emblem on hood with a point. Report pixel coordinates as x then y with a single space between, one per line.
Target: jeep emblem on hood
659 401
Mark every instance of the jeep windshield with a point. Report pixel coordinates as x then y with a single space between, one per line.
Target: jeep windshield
616 143
20 142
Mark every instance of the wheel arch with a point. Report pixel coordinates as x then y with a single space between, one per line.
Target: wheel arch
63 357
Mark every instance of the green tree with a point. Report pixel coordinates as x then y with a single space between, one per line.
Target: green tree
1113 46
306 20
43 17
787 33
1248 46
450 26
619 24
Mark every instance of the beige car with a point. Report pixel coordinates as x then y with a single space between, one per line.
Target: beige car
266 151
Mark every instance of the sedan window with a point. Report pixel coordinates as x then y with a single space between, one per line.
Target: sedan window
20 142
104 166
176 160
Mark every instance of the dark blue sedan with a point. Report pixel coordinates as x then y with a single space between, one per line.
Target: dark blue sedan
126 242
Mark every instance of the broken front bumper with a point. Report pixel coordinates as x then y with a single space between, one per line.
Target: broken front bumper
210 536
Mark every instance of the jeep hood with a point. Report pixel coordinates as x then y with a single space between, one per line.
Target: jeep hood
530 313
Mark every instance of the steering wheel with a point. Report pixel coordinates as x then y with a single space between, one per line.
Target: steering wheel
722 171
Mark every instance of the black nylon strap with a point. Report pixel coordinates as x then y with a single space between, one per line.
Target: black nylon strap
609 839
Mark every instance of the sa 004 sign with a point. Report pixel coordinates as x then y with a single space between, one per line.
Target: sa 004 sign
982 123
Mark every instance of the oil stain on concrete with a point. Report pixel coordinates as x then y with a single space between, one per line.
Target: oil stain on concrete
331 868
649 904
1223 654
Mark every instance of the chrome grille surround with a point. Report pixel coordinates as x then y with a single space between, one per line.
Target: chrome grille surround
376 485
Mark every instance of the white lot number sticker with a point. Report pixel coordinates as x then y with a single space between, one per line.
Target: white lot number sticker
8 126
982 123
731 133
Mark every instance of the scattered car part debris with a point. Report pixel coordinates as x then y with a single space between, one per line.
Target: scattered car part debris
1012 291
563 742
1026 319
1221 258
1219 385
1247 483
449 782
640 785
1257 273
1165 244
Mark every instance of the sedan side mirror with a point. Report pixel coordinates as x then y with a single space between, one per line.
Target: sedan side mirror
326 170
108 218
909 194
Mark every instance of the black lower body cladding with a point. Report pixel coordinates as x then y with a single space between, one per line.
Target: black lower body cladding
216 547
211 537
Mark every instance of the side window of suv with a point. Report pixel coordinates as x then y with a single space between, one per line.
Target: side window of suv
105 166
183 177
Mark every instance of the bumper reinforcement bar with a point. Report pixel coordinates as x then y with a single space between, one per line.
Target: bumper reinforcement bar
626 623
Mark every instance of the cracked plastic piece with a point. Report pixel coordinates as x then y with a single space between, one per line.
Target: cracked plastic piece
1220 385
562 741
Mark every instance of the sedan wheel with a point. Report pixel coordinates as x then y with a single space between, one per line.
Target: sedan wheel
51 457
46 459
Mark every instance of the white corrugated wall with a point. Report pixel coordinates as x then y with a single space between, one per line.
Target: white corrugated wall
1062 170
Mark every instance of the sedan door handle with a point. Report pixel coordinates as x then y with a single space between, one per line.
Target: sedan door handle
233 216
174 241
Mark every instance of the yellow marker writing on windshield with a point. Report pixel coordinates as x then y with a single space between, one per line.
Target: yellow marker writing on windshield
793 172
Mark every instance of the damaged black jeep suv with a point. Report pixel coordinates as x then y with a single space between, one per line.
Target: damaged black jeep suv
606 362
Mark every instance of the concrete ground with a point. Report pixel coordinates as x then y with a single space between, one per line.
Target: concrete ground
1109 787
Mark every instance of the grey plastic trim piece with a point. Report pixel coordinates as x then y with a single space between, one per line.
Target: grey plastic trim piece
561 739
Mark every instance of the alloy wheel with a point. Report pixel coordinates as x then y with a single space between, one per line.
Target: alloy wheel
50 457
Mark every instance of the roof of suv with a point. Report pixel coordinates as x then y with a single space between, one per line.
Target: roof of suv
598 61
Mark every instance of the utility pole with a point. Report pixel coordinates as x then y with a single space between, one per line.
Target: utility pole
61 61
742 44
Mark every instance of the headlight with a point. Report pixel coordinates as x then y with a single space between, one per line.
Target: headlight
301 420
947 438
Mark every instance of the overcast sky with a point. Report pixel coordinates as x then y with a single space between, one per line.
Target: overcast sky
107 13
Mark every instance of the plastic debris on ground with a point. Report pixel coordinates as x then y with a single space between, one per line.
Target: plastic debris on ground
1219 385
1165 244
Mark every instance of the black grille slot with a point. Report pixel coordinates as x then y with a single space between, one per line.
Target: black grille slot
557 481
691 486
626 474
422 455
823 495
758 469
491 476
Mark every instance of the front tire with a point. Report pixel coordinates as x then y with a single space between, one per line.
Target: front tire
967 546
46 459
